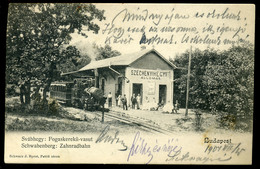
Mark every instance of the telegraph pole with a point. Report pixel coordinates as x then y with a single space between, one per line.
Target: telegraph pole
103 114
188 83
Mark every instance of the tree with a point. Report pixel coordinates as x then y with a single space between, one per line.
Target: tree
105 52
230 81
221 81
36 34
199 61
19 57
75 63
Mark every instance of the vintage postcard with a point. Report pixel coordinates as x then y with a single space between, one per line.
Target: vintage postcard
129 83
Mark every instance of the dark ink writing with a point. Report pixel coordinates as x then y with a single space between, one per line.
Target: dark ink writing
141 147
177 26
104 137
232 148
156 40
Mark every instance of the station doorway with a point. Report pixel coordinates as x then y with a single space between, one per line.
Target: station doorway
162 94
138 89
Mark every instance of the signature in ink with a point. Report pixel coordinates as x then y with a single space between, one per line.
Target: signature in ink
104 137
141 147
214 153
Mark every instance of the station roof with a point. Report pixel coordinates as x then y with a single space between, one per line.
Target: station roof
122 60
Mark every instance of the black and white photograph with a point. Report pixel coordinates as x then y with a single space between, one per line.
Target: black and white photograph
129 83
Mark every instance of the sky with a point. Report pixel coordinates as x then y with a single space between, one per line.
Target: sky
179 27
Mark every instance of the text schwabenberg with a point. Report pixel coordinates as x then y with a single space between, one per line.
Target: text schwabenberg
141 147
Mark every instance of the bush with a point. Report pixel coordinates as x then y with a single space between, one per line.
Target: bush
185 122
53 107
227 121
12 104
37 106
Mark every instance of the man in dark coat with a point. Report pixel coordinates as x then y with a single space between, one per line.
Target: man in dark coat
124 102
133 100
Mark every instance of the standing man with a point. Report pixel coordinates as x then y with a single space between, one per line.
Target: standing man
133 100
109 97
124 102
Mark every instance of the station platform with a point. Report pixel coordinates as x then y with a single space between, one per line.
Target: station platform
160 118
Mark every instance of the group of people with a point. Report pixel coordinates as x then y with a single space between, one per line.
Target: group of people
120 100
135 101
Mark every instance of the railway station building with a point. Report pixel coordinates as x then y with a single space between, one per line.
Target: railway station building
146 72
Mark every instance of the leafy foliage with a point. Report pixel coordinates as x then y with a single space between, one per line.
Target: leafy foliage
36 35
220 81
75 62
230 81
105 52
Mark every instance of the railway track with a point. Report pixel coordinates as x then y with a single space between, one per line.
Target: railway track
144 124
131 120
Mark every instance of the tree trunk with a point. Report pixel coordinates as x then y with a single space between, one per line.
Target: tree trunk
48 82
22 90
27 92
46 88
37 89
